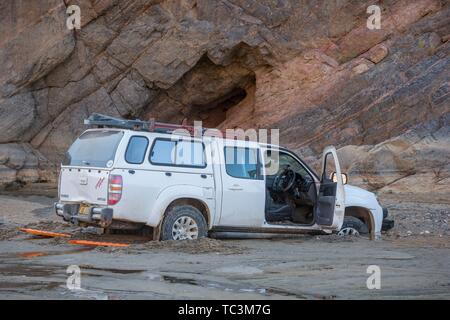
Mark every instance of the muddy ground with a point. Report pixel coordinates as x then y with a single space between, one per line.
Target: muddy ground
414 260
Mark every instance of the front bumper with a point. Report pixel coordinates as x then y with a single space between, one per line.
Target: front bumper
387 224
98 216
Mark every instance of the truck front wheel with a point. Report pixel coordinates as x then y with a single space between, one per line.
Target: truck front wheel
183 222
353 227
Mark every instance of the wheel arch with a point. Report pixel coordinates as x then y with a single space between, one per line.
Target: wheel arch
365 215
175 195
195 202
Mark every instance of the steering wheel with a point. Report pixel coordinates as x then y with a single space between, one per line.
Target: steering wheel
284 181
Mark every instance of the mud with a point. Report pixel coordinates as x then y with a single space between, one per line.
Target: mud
8 233
200 246
413 265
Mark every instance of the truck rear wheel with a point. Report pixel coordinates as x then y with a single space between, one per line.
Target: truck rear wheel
183 222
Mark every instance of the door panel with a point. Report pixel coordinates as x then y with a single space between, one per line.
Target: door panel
243 193
330 207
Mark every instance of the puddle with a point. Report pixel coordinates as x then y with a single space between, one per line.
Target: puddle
29 286
88 294
210 284
234 287
112 270
172 279
26 270
35 254
31 254
240 270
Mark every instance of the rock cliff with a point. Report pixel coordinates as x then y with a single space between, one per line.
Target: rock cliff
310 68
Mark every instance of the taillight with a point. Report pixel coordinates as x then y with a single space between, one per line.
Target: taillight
114 189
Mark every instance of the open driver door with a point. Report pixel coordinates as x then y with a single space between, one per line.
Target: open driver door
330 207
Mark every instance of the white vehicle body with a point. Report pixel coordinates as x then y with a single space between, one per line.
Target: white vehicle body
147 190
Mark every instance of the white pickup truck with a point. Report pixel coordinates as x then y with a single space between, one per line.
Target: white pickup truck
127 174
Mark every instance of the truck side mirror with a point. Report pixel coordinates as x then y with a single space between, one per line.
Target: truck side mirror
344 177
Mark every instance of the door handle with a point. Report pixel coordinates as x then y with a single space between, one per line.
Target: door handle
131 171
235 187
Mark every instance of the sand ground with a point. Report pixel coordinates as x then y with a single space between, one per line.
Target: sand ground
414 261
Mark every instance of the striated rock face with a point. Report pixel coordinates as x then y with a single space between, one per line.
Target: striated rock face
314 70
417 161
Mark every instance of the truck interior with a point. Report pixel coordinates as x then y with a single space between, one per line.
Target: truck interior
290 190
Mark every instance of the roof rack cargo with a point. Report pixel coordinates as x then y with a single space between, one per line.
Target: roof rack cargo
103 121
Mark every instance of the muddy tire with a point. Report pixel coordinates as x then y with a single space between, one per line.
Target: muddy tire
353 227
184 223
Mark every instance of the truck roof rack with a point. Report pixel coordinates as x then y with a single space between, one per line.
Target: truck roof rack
103 121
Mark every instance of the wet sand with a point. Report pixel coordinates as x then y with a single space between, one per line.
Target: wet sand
304 267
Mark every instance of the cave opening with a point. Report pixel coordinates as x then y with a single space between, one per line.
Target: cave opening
210 93
214 113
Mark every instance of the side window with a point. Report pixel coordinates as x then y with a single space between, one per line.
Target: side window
137 146
180 153
280 160
163 152
242 163
190 153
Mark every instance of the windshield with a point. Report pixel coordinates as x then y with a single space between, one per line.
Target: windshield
94 149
